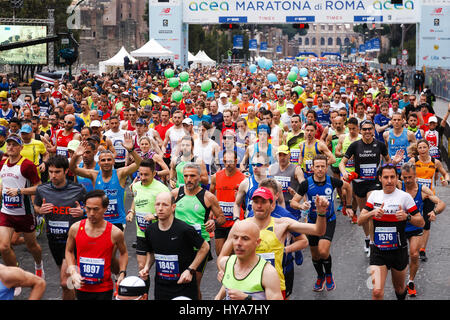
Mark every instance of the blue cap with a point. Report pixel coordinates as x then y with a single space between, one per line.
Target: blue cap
188 101
26 129
141 121
15 138
3 131
342 89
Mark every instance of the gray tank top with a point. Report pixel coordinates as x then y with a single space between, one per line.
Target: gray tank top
286 178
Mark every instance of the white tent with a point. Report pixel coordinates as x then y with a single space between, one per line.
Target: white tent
201 58
191 57
152 49
116 61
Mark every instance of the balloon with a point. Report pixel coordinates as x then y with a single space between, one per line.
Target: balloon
168 73
272 77
261 62
303 72
177 96
173 82
253 68
186 87
294 69
268 64
292 76
184 76
206 85
298 89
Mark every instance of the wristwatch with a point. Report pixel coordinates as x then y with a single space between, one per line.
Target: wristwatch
18 191
408 218
192 271
124 273
249 297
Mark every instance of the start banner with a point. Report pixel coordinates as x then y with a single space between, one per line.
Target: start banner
300 11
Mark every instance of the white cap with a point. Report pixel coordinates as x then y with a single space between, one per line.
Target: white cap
188 121
432 119
290 106
156 99
96 123
73 145
223 95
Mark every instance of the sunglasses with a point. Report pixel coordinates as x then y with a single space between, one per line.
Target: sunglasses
68 122
366 129
257 165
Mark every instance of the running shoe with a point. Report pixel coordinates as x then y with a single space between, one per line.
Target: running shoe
367 247
355 219
329 282
39 272
423 256
412 289
319 285
340 208
39 225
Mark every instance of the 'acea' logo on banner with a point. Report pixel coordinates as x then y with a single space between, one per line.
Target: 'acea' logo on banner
387 5
209 6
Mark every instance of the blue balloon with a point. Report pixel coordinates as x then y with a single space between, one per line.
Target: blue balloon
268 64
272 77
253 68
261 62
294 69
303 72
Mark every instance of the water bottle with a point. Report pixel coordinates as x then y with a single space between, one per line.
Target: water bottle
304 213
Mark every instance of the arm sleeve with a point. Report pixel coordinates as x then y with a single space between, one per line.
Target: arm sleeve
303 188
409 205
336 183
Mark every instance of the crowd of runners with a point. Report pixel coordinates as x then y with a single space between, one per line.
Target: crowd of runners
254 163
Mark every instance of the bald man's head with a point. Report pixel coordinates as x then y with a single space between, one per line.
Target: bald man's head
164 205
245 238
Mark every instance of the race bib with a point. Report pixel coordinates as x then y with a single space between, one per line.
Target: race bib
167 266
424 182
92 270
269 257
121 153
58 227
62 151
295 154
434 152
284 181
12 202
368 171
227 209
385 238
308 166
141 222
198 228
111 212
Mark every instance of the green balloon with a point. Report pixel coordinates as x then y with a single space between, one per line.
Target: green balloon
186 87
173 82
184 76
292 76
177 96
168 73
298 89
206 86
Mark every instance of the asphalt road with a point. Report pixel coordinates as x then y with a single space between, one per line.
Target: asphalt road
349 265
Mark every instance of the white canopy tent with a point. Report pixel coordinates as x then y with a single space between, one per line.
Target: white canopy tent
152 49
202 59
191 57
116 61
